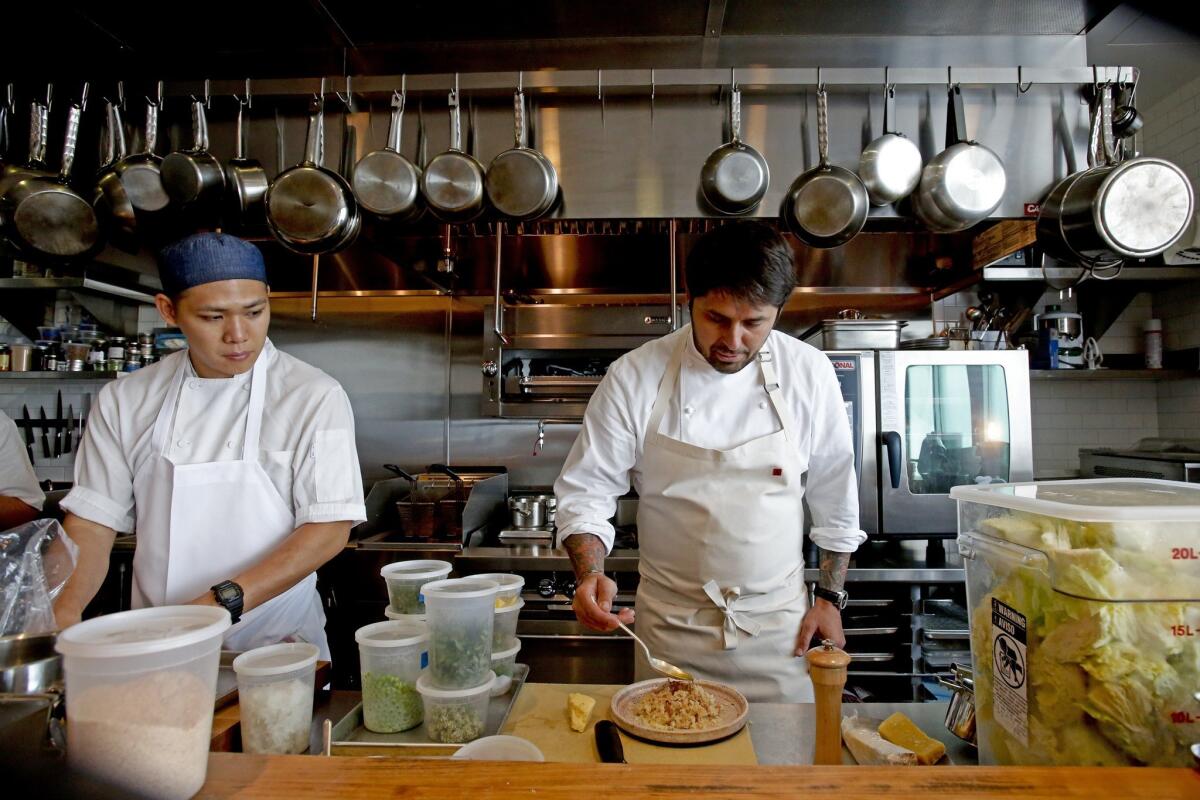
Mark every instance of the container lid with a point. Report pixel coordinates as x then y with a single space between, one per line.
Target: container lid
276 659
414 570
463 588
143 631
426 688
390 614
393 633
1097 500
500 655
862 324
510 609
506 580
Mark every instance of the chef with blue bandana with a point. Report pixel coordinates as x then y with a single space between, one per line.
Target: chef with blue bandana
232 462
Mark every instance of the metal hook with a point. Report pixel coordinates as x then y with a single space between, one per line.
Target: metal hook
207 93
399 97
83 97
820 81
652 87
49 97
520 82
347 98
157 100
1022 87
733 85
320 94
887 79
600 85
453 99
10 96
949 77
121 94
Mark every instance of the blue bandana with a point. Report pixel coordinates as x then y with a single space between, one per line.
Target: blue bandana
208 257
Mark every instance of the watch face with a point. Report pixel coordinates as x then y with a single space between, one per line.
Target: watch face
227 593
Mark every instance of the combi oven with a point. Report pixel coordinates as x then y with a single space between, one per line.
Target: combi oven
924 421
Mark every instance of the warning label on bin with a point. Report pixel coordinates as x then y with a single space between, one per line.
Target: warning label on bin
1010 699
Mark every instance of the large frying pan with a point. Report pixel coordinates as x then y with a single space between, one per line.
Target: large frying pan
311 209
44 217
735 175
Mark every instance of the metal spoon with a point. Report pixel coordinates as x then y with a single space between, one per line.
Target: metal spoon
670 670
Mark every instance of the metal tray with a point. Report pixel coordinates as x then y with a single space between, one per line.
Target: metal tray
350 738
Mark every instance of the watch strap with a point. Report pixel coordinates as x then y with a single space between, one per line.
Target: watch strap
233 604
837 598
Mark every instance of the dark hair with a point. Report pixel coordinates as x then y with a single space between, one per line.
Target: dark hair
747 260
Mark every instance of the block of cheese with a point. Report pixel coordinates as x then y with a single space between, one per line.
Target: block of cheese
900 730
869 748
579 707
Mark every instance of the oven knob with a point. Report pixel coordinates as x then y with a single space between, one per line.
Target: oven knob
546 587
568 588
490 368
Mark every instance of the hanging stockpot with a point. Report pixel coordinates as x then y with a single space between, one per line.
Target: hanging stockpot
245 178
1115 210
194 179
111 201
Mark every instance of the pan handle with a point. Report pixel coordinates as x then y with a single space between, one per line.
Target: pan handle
399 472
72 135
519 134
38 117
889 108
455 121
117 134
314 146
395 127
823 126
735 114
956 117
240 143
151 127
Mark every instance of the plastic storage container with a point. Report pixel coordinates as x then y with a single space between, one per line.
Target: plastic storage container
504 628
460 614
510 586
504 662
389 614
1084 601
405 579
140 691
391 657
454 716
275 697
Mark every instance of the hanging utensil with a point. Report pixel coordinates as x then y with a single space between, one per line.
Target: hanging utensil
194 179
44 217
735 176
826 205
387 184
35 162
111 201
521 182
890 166
453 182
246 179
141 173
964 183
312 209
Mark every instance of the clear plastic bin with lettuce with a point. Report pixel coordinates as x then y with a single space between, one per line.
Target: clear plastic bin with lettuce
1104 573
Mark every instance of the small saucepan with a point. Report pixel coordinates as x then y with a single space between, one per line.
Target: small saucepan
735 176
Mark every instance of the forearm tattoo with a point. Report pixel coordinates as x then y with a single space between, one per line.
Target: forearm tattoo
587 553
833 570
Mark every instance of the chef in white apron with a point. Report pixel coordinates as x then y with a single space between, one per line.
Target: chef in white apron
232 462
21 498
722 428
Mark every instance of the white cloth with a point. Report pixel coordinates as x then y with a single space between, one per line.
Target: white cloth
16 473
721 535
201 523
716 411
307 440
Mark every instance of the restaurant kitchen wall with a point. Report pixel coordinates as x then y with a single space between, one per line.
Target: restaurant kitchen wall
1173 132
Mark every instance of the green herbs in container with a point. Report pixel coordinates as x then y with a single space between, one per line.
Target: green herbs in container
390 704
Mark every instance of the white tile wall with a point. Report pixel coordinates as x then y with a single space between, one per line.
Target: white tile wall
36 394
1070 414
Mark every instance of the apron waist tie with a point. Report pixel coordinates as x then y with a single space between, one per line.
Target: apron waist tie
725 601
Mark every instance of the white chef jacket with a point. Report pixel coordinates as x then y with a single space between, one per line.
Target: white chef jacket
716 411
307 445
16 473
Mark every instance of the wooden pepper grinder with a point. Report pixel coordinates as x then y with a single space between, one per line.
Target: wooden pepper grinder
827 667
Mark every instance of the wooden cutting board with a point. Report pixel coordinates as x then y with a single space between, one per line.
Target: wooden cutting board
540 715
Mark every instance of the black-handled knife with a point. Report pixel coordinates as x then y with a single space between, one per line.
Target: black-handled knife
28 431
608 743
70 429
58 433
45 433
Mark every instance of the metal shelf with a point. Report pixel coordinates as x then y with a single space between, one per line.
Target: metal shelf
84 284
1112 374
58 376
1067 274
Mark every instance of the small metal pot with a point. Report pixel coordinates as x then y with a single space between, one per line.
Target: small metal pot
533 511
890 166
453 181
111 200
194 179
387 184
521 182
247 182
29 664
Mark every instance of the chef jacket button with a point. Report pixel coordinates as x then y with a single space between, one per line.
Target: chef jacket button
229 444
688 410
246 387
762 403
194 384
182 443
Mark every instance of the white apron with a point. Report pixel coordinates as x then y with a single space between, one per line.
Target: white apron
200 524
720 532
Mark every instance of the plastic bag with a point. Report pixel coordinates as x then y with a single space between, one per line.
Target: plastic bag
36 559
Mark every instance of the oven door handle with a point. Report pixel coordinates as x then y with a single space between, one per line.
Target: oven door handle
895 452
